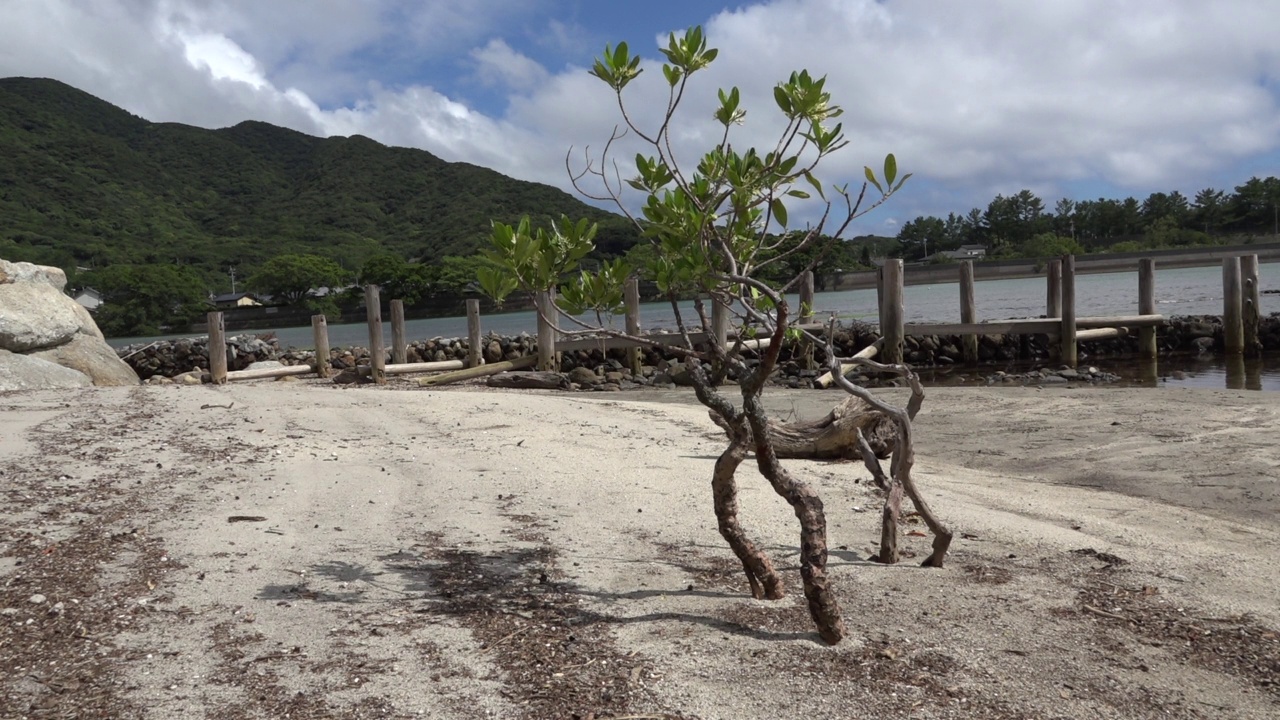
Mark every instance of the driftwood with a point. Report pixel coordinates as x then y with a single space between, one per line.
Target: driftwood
478 372
899 480
834 436
542 380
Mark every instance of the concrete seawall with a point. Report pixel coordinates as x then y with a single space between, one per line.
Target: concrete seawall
1085 265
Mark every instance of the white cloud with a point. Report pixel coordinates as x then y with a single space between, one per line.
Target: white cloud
498 65
979 97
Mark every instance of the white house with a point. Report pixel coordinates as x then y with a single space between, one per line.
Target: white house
89 298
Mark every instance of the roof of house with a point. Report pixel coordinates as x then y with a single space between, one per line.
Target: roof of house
235 297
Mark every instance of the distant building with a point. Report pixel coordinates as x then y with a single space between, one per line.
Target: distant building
966 252
89 298
233 300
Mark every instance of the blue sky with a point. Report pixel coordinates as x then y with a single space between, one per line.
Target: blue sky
1080 99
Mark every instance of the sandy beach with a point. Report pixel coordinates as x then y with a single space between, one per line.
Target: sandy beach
299 549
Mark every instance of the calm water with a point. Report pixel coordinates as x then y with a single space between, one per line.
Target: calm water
1183 291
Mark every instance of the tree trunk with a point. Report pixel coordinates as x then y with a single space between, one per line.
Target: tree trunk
823 606
766 584
834 436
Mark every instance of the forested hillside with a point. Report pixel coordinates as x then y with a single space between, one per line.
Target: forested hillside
84 183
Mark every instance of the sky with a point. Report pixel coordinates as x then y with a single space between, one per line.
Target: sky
1075 99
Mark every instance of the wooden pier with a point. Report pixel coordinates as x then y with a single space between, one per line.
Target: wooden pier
1241 315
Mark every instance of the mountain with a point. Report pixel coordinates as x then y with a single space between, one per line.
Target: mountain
85 183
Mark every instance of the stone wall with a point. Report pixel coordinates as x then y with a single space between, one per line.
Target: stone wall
1181 334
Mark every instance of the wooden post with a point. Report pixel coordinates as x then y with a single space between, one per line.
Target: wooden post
720 322
474 356
892 312
1147 306
377 353
217 348
1251 301
880 298
632 298
320 331
1232 304
546 333
968 311
806 297
806 316
399 346
1053 286
1068 310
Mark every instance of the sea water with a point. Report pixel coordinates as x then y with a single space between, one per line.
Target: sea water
1181 291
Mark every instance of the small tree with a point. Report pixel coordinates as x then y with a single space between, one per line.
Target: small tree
717 228
292 277
144 299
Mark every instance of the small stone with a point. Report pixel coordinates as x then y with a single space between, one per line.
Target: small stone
9 611
57 609
37 599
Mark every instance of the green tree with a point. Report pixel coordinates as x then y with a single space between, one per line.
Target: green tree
398 279
1050 245
458 274
292 278
1256 205
1012 220
1209 212
142 300
713 225
1160 206
921 236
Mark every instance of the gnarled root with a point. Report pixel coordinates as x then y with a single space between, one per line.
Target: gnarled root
899 479
766 584
832 437
823 606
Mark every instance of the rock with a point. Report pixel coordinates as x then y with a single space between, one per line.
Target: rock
37 599
1068 374
493 352
616 377
92 356
46 326
35 316
681 376
195 377
583 376
265 365
23 372
350 376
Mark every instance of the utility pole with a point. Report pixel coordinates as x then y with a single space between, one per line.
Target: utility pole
233 279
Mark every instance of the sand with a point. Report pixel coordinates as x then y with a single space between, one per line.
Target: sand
296 549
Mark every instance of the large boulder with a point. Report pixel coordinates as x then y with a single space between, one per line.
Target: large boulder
91 356
46 338
23 372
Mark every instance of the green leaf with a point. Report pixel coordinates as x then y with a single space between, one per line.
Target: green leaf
672 73
779 211
902 182
798 194
813 181
871 178
890 169
782 99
